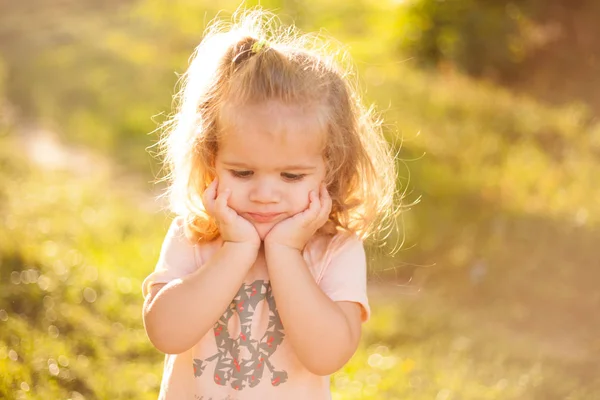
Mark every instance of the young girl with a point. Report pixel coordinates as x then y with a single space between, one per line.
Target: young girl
277 175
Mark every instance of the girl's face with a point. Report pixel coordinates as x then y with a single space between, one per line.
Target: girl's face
271 157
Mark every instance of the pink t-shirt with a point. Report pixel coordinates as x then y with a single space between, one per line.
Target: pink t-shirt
245 356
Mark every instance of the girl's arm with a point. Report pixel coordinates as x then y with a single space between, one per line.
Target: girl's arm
177 315
323 333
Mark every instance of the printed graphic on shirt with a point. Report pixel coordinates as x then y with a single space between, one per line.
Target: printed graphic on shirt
229 366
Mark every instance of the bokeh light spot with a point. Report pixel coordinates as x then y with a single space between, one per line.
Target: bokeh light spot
89 295
53 331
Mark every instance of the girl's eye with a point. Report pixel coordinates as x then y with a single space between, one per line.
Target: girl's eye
241 174
292 177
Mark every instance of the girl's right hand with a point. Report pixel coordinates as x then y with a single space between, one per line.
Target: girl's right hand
232 227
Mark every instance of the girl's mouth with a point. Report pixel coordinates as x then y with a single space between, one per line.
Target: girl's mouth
263 217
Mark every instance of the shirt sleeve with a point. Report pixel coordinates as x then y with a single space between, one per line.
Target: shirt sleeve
345 275
177 258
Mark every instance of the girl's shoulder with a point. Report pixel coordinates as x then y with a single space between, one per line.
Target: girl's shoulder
335 255
325 247
343 239
202 250
180 231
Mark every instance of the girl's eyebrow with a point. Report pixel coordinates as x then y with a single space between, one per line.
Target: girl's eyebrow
285 168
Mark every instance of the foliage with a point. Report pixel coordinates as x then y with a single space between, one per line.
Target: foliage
472 34
548 48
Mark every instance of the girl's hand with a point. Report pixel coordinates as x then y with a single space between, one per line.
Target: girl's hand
232 227
294 232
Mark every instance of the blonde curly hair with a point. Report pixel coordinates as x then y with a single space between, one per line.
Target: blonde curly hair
254 59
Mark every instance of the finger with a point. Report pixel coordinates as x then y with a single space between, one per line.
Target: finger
326 204
221 206
210 191
209 195
324 209
314 206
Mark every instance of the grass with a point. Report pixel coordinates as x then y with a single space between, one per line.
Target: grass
419 346
73 252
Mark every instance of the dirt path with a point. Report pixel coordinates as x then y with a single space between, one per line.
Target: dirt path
45 149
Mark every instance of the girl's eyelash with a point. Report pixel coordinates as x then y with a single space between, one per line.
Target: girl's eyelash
292 177
241 174
285 175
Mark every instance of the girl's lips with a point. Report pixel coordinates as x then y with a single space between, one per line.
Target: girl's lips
263 217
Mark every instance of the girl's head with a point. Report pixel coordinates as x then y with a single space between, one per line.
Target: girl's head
272 115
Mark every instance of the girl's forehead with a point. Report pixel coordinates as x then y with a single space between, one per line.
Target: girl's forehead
272 135
274 119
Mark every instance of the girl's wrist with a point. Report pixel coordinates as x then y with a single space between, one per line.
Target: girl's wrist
275 240
274 249
243 249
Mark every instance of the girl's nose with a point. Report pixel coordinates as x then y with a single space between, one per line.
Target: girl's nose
265 192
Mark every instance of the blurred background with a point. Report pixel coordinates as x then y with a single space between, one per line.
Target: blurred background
493 106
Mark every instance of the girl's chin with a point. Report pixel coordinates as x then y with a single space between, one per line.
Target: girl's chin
263 229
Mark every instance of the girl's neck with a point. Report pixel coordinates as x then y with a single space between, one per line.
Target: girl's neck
261 252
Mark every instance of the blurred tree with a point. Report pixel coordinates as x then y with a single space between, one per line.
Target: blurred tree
32 28
472 34
549 47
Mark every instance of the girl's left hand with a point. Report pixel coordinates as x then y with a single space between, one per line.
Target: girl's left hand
294 232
